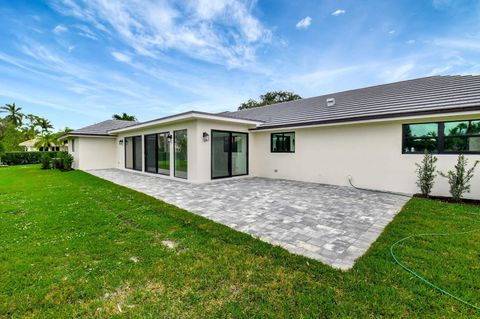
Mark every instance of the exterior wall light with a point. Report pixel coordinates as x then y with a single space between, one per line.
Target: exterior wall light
120 142
169 138
205 137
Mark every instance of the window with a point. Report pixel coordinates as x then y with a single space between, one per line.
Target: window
283 142
443 137
462 137
420 137
73 145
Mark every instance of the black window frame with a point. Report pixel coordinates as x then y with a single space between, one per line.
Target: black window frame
167 133
133 152
440 138
230 154
283 134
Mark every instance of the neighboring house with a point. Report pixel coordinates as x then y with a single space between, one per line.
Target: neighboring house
29 146
374 134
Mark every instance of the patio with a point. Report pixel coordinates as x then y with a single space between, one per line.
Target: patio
333 224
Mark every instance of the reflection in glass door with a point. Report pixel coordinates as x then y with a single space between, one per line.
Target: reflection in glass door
163 150
133 153
229 154
181 153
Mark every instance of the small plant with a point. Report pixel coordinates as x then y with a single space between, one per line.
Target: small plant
459 178
426 173
45 160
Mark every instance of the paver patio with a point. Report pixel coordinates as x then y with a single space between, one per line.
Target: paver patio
333 224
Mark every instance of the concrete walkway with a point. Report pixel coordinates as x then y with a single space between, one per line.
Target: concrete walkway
333 224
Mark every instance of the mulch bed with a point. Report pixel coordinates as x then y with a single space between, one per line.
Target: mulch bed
451 200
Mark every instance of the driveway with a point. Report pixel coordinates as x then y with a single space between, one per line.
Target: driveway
333 224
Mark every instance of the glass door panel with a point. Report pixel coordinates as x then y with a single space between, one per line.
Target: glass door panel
220 154
151 153
163 157
128 152
137 153
181 154
239 154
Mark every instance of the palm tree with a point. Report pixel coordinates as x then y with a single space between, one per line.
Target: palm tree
44 124
14 116
45 141
124 117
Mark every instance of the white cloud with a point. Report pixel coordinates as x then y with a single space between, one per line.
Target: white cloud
122 57
338 12
391 32
59 29
304 23
221 32
398 73
411 41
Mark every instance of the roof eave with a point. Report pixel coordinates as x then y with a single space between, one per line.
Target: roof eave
360 119
191 115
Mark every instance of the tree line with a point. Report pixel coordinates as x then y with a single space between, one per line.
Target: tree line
17 127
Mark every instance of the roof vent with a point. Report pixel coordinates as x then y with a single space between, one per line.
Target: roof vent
331 101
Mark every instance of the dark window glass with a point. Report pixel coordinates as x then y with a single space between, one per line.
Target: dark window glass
128 152
462 136
151 153
283 142
420 137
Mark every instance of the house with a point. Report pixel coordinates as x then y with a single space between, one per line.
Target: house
371 136
29 146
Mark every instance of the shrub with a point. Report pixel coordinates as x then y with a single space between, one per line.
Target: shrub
57 163
426 173
2 151
67 161
459 178
20 158
45 160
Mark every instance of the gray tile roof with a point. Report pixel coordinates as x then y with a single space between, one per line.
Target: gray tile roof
430 95
102 128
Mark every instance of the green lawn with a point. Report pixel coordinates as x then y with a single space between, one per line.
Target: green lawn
73 245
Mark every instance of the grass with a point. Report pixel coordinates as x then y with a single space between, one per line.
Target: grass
73 245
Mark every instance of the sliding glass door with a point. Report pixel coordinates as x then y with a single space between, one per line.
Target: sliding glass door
229 154
163 154
133 152
181 153
157 153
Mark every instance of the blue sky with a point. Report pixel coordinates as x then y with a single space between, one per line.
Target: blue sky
78 62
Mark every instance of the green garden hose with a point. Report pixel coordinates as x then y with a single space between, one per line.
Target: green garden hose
392 252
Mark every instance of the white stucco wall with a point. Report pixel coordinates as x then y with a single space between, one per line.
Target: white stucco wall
199 152
370 153
93 153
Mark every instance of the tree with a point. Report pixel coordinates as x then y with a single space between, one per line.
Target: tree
44 124
46 140
459 178
426 173
268 98
14 115
124 117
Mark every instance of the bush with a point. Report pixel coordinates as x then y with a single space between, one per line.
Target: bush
426 173
57 163
67 161
459 179
2 151
20 158
45 160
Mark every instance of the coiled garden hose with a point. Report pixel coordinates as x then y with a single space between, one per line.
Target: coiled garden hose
416 275
409 270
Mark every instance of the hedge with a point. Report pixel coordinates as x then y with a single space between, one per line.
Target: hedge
19 158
